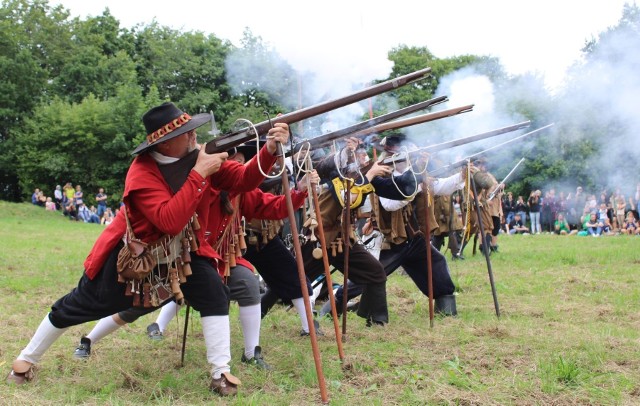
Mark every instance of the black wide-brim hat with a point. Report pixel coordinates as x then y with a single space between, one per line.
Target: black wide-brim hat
167 121
248 149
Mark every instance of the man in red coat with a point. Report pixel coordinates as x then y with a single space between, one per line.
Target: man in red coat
154 210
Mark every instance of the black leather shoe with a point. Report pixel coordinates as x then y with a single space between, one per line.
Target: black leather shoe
153 331
317 327
456 257
371 322
84 349
257 359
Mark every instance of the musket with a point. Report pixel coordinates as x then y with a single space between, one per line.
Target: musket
402 156
495 191
328 138
407 122
444 169
176 173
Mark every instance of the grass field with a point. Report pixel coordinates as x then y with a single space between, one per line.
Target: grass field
569 333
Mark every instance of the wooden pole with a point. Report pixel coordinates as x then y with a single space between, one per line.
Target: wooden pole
303 279
427 237
346 224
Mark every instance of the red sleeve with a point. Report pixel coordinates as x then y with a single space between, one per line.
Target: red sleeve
266 206
235 177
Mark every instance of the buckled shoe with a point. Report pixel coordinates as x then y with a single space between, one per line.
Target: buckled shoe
153 331
257 359
317 327
226 385
84 349
20 378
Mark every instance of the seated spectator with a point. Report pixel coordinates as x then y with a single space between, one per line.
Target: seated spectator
70 210
516 226
561 226
629 227
606 227
86 215
592 226
34 196
42 199
50 205
108 216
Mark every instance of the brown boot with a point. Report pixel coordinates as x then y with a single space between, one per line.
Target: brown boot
21 372
226 385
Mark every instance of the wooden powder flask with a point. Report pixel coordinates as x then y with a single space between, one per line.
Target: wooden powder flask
242 243
146 291
186 257
333 249
181 277
317 252
339 244
136 295
175 285
128 289
195 224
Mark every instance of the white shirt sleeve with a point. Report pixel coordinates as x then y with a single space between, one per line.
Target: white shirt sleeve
446 186
392 205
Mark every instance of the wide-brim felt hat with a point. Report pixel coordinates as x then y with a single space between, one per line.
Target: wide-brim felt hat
165 122
391 142
248 149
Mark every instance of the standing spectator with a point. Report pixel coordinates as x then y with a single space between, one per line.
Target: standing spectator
68 191
101 201
534 211
521 209
77 197
578 204
57 196
509 208
620 210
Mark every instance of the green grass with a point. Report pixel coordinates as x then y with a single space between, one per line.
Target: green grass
568 333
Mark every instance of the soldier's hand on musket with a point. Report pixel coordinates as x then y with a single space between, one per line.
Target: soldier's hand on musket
423 158
279 133
378 170
208 164
309 178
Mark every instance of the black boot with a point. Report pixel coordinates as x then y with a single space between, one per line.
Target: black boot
446 305
373 304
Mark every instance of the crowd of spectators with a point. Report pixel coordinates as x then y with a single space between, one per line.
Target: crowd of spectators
572 213
71 202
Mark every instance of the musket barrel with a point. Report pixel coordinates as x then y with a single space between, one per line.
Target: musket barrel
444 169
326 139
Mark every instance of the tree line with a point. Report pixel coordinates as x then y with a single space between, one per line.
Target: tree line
72 92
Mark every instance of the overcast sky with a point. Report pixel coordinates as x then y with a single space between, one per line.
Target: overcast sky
352 37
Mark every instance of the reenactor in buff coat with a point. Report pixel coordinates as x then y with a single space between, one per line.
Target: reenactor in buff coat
449 225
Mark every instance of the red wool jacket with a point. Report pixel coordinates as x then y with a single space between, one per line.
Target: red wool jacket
154 210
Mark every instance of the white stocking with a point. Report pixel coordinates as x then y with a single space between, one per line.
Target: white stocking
45 335
217 339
